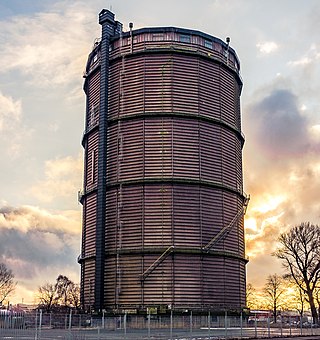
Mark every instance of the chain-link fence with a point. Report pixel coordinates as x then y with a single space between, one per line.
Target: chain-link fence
39 325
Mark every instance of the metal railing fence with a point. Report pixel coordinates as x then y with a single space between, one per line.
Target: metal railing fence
40 325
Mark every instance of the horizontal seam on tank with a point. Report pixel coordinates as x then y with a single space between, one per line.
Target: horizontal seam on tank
176 250
174 180
181 115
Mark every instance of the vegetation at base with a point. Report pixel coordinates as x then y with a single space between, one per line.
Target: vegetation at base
299 250
59 296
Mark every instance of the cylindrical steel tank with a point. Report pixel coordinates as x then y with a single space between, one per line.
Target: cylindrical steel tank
171 225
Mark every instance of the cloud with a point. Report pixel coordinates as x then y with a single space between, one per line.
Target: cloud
49 47
62 180
267 47
38 245
12 129
278 125
282 172
10 112
310 57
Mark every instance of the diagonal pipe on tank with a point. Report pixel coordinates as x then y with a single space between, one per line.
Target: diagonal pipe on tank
157 262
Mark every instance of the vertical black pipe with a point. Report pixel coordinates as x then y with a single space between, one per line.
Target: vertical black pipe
106 20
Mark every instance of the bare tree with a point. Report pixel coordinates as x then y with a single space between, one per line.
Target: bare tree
251 296
61 295
274 290
300 252
297 298
7 283
74 295
62 288
47 295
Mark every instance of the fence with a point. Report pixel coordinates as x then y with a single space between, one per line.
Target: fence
39 325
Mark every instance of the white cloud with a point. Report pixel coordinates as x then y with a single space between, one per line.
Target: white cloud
311 56
267 47
62 179
49 47
10 112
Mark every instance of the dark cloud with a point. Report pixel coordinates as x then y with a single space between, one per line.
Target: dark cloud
278 126
34 242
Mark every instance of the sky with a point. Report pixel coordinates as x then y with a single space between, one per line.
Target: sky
44 47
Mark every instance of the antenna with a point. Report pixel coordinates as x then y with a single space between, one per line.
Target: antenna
131 38
228 45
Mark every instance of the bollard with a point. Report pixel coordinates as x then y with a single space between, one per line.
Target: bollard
241 326
191 324
209 324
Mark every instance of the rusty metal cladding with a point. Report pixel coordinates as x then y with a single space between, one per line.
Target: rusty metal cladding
174 189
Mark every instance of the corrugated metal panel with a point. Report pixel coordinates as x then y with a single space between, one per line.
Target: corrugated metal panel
130 202
210 152
112 218
93 96
114 90
187 280
185 84
186 148
211 213
90 207
228 96
157 216
158 83
209 89
158 156
88 282
91 161
186 218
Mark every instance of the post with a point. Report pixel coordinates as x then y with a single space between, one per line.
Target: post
36 330
268 323
241 326
300 324
281 325
191 323
40 323
103 319
70 320
171 325
125 324
225 325
209 324
255 325
149 324
290 325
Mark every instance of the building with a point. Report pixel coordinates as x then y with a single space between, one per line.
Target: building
163 199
